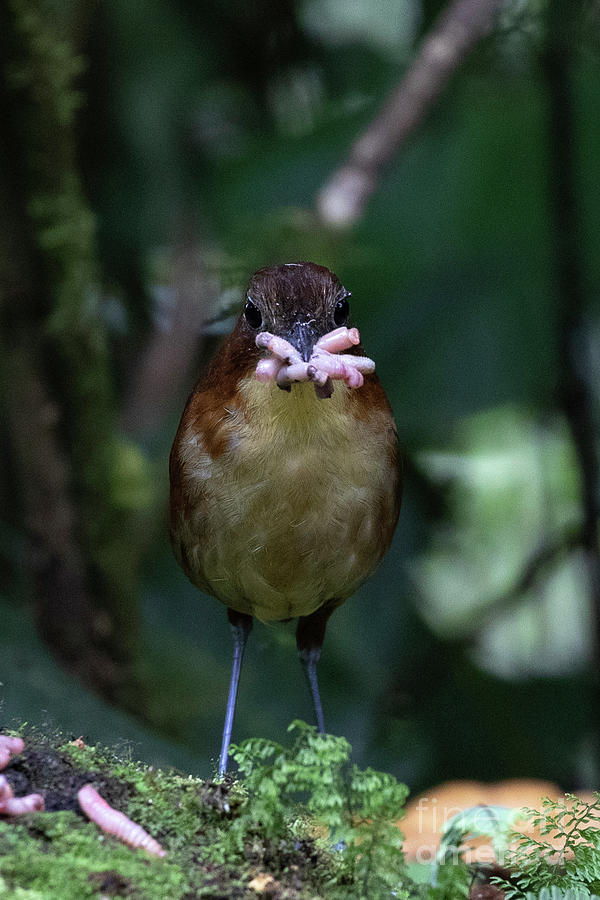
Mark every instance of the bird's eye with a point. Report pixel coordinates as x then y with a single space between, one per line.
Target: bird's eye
252 315
341 312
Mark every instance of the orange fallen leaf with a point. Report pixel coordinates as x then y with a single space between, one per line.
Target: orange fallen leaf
427 814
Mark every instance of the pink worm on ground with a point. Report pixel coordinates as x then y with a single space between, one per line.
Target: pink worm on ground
18 806
9 746
286 365
116 823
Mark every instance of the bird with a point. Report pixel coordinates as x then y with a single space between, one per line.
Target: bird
285 472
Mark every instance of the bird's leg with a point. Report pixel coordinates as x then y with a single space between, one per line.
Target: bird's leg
310 635
241 626
309 660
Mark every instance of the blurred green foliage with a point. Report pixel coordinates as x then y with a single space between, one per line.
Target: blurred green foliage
218 122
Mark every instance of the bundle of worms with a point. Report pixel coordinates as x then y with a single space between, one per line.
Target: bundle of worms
95 807
285 365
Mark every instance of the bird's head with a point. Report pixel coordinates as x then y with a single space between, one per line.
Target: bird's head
298 301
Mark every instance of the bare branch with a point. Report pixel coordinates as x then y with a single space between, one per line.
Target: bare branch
457 31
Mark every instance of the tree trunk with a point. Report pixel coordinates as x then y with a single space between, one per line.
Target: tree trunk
66 460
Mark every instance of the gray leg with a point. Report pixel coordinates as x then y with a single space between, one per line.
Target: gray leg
241 626
310 635
309 660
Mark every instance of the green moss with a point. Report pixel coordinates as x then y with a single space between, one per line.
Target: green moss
19 893
112 485
304 818
59 855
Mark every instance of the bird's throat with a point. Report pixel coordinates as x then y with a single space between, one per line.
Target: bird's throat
297 412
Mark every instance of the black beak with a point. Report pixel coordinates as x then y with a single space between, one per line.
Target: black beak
303 337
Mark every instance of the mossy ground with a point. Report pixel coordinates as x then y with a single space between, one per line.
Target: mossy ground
304 823
60 855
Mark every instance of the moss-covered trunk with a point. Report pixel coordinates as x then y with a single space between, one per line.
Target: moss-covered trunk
62 485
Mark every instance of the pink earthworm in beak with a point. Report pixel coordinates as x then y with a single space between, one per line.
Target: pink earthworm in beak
286 365
339 339
268 369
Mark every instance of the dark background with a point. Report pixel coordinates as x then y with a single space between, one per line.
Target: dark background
153 154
